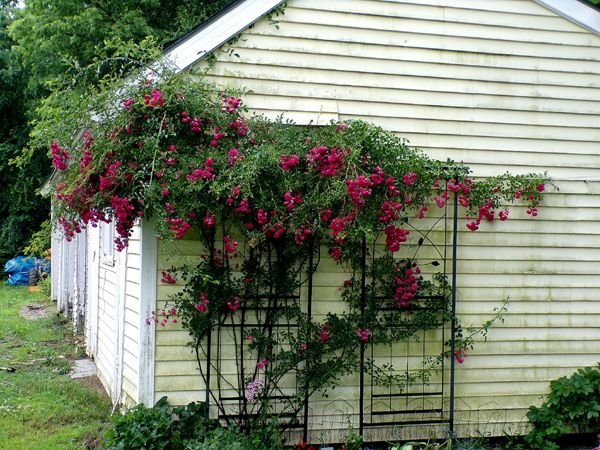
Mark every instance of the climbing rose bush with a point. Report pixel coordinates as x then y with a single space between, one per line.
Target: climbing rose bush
190 157
262 195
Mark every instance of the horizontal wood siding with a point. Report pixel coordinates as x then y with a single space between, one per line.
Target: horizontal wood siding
502 85
176 373
107 326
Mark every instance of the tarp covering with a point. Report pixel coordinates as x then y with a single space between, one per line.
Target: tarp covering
19 267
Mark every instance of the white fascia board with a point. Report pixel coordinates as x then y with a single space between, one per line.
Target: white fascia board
218 32
576 11
147 336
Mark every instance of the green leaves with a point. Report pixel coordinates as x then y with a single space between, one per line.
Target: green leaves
572 406
161 427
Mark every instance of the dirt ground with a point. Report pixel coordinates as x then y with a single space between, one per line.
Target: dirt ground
35 311
93 384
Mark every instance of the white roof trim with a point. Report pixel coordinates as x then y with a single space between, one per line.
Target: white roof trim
576 11
217 32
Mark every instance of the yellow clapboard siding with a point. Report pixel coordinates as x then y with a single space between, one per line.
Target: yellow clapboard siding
542 307
477 13
180 248
508 375
403 96
391 8
367 20
483 266
172 337
468 129
179 383
170 368
568 333
400 111
538 320
525 362
490 143
180 397
234 73
492 281
342 33
334 63
175 353
560 165
493 241
514 255
500 388
395 50
564 294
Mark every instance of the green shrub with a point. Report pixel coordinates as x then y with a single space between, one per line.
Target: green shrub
165 427
40 241
160 427
268 438
45 284
573 406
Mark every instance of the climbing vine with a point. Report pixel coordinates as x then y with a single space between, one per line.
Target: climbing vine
266 198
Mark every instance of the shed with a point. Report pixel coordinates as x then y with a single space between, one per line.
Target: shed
504 85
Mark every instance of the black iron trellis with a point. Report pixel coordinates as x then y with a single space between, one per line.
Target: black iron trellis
421 404
233 407
236 405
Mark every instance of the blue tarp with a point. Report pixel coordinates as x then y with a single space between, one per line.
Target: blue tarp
18 269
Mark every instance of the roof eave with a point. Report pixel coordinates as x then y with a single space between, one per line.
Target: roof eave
215 33
575 11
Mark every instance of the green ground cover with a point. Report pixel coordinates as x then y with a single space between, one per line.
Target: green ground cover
40 406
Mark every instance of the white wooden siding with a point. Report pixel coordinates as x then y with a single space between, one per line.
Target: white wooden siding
118 321
502 85
107 328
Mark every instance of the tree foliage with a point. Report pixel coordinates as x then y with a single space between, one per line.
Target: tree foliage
47 43
21 211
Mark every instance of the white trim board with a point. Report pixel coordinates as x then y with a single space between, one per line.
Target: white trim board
575 11
215 33
148 257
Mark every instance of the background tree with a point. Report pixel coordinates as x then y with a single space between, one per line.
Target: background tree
47 42
21 211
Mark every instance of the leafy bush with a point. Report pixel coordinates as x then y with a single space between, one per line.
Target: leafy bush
268 438
168 427
40 241
45 284
160 427
573 406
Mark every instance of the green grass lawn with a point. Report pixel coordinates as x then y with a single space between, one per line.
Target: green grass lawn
40 406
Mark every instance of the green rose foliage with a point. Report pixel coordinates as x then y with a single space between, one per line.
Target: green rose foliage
264 197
